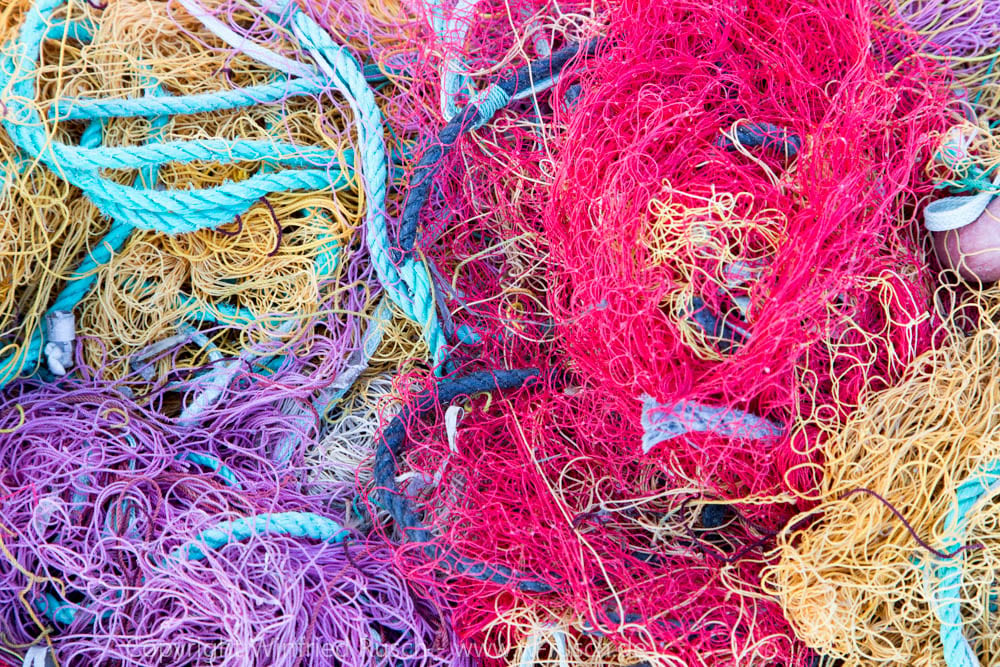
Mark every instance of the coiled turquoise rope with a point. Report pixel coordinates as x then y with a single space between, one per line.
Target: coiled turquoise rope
175 212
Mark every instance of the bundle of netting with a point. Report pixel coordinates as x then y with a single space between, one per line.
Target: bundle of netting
964 35
897 565
129 539
523 501
240 154
731 228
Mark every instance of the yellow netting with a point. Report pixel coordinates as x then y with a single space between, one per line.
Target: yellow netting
852 583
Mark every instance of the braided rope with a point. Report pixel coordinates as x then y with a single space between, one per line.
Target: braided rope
662 422
761 135
946 596
72 108
409 285
302 525
173 212
213 464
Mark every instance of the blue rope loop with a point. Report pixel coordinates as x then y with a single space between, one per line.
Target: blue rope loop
392 442
472 117
407 283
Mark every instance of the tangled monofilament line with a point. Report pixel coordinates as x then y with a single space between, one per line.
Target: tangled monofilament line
99 495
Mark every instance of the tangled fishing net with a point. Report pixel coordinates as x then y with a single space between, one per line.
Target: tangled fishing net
494 332
689 221
897 563
594 542
191 241
715 225
127 539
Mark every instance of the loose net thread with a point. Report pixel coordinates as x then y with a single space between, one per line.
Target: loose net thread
485 222
546 640
962 34
853 583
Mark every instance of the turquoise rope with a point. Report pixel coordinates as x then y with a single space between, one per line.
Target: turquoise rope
290 524
130 207
213 464
75 108
59 610
204 150
170 212
409 285
79 108
947 594
302 525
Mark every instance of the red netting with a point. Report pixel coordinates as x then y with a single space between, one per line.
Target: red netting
622 225
809 263
548 483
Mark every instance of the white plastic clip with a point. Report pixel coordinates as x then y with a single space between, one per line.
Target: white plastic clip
60 330
38 656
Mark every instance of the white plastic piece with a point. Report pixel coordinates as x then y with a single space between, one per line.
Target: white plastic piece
243 44
955 212
41 516
451 418
38 656
529 655
60 333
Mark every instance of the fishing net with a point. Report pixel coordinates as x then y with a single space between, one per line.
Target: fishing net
128 539
962 34
545 483
293 255
731 223
690 222
896 564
